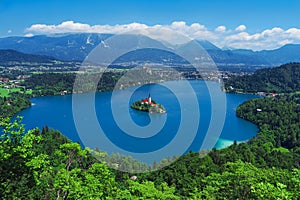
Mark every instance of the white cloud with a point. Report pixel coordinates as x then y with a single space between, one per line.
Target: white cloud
220 29
272 32
293 33
29 35
240 28
220 36
284 42
197 26
73 27
267 39
178 25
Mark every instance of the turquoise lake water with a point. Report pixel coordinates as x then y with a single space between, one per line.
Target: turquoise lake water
142 135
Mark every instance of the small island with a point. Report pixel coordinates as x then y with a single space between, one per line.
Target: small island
148 105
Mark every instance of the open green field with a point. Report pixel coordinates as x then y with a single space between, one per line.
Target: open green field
5 92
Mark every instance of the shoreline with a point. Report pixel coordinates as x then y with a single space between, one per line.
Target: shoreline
224 143
221 143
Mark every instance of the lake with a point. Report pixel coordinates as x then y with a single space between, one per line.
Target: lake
195 114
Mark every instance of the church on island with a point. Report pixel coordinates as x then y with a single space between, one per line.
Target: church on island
148 105
147 100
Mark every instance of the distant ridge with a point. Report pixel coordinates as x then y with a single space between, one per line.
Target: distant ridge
207 45
289 52
75 47
71 47
8 56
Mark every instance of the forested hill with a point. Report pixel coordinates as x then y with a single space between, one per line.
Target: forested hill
283 79
8 56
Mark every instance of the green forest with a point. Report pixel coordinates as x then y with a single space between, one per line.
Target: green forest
13 104
283 79
43 164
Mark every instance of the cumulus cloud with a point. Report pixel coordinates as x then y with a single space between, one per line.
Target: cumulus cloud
220 36
179 25
220 29
73 27
29 35
240 28
293 33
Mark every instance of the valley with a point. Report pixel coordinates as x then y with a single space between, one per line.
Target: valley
259 139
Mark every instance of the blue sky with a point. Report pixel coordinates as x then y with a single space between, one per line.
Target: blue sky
256 16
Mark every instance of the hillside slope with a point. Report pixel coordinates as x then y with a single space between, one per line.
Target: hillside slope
283 79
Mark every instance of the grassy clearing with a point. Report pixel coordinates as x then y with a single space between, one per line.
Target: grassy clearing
5 92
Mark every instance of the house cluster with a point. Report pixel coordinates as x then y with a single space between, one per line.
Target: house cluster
267 94
4 80
9 83
63 92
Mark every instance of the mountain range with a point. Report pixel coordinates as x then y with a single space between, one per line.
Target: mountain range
9 56
75 47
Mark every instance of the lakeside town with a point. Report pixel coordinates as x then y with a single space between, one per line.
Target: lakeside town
12 77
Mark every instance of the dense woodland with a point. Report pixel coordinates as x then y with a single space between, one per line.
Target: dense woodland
43 164
13 104
49 83
283 79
